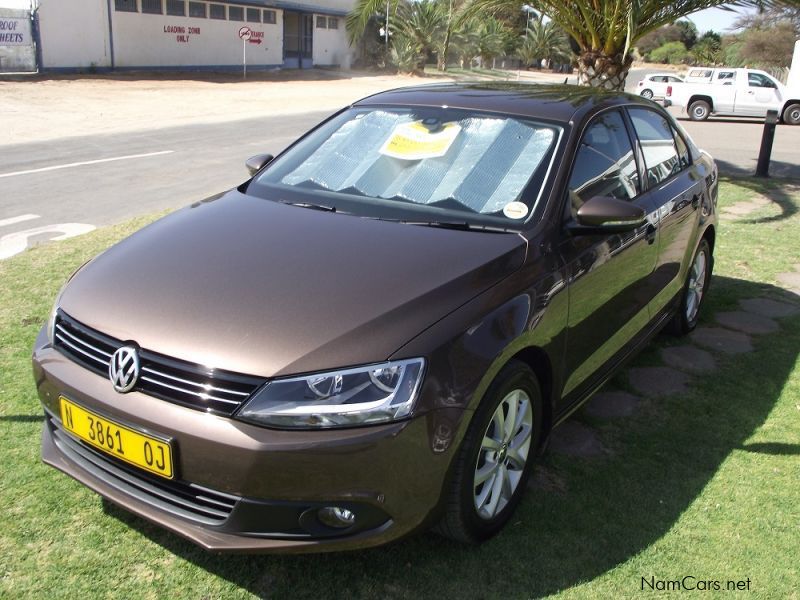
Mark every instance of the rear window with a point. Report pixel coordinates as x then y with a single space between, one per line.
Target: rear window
460 162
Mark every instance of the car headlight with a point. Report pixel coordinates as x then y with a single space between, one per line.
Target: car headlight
359 396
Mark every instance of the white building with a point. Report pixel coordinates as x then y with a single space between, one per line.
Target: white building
189 34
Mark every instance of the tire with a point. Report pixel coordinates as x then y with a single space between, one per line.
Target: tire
791 115
699 110
647 94
476 511
692 296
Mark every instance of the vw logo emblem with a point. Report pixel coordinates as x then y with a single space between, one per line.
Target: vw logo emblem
123 370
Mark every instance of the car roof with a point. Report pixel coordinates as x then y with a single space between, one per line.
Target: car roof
562 103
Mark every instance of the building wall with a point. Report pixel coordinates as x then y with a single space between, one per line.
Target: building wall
145 40
17 52
74 33
330 45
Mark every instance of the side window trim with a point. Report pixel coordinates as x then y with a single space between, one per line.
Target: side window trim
564 211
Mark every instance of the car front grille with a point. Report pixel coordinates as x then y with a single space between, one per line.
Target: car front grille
177 381
183 499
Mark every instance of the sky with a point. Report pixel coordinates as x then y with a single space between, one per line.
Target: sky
711 18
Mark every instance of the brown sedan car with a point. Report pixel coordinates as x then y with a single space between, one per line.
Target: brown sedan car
378 331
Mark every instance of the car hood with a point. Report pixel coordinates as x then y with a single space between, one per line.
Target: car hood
258 287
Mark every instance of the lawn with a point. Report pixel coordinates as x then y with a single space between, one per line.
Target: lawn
704 483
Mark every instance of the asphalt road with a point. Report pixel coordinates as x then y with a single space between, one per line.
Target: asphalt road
58 189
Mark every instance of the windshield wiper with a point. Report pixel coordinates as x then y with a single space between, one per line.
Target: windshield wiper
310 205
460 225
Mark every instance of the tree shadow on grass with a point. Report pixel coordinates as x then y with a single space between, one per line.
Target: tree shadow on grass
612 508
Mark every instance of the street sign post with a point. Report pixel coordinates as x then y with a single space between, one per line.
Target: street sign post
245 34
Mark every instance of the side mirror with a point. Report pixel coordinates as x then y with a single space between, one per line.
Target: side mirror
256 163
603 214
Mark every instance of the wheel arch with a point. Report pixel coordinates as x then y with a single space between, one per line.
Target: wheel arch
710 234
697 97
786 105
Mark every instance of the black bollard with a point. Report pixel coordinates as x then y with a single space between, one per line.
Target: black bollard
762 169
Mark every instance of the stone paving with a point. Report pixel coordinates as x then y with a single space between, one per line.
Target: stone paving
699 356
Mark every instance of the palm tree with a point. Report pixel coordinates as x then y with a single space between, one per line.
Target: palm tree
544 41
604 30
424 23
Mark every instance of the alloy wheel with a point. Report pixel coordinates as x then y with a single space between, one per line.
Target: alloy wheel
503 454
697 281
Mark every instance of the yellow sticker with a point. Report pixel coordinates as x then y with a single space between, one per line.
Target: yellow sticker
414 141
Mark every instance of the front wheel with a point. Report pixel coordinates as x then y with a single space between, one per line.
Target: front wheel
647 94
791 116
699 110
694 290
495 459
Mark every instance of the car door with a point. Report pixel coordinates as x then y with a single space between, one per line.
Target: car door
758 96
609 276
676 189
724 91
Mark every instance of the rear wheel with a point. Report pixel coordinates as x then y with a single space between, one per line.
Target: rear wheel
694 290
496 456
791 115
647 94
699 110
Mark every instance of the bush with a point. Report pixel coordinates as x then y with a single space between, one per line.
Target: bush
673 53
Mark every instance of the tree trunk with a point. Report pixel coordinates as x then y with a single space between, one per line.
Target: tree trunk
596 69
442 55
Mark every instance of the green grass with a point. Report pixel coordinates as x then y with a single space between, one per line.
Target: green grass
705 484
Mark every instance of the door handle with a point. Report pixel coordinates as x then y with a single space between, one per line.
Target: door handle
695 201
650 234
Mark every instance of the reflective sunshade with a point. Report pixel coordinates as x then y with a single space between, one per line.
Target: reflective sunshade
456 160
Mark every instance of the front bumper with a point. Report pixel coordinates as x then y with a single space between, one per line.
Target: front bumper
248 489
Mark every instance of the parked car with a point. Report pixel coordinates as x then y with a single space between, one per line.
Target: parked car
736 92
655 85
377 332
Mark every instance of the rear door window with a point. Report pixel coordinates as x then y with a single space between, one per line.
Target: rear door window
658 144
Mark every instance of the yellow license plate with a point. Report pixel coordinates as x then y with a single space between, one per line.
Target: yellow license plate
136 448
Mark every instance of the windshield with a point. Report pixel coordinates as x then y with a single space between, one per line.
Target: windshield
408 163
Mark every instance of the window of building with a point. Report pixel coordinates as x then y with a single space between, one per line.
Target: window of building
269 16
333 23
125 5
197 10
322 23
658 145
235 13
604 165
152 7
217 11
176 8
253 15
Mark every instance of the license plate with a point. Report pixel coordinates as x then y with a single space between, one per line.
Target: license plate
144 451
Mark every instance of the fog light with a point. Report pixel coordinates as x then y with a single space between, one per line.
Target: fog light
335 516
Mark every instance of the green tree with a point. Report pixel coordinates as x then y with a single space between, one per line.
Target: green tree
492 37
422 23
604 30
673 53
769 47
707 50
544 40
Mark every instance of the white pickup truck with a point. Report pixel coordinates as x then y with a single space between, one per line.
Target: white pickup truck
736 92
